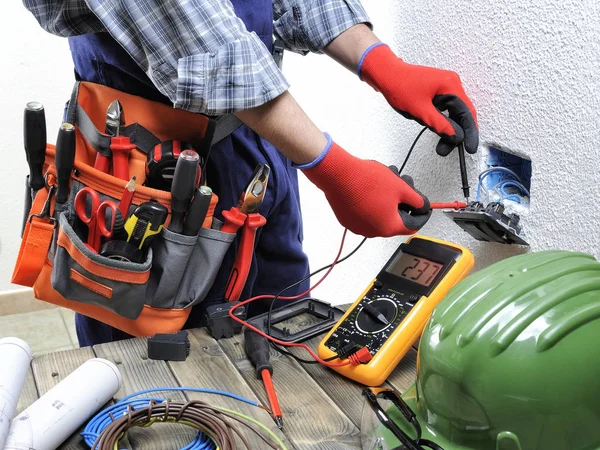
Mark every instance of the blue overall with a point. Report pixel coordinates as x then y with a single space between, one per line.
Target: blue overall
279 260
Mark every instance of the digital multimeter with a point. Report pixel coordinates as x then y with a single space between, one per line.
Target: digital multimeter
391 313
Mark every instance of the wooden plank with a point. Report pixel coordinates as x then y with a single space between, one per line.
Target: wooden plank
346 393
140 373
29 393
207 366
404 374
312 420
51 369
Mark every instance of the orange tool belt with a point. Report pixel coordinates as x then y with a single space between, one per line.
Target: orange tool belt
142 299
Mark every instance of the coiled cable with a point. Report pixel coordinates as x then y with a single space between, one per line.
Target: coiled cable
214 424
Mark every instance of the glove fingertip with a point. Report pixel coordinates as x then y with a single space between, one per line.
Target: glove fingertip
472 142
444 148
409 180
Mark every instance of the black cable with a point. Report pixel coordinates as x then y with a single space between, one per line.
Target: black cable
412 147
269 325
269 315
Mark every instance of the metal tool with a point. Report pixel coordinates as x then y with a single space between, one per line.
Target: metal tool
463 171
120 145
113 125
96 218
34 137
145 222
64 160
197 211
246 214
182 189
257 350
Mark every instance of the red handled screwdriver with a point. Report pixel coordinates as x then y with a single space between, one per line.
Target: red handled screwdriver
257 350
183 187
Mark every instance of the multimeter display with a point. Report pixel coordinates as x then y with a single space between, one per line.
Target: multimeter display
390 315
414 268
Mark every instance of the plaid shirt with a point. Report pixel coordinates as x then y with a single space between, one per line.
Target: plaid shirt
198 53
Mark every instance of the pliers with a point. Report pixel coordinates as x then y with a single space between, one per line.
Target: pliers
245 215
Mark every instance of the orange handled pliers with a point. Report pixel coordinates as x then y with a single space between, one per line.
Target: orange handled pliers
245 215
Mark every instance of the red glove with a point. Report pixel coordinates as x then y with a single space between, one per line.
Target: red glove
367 197
421 93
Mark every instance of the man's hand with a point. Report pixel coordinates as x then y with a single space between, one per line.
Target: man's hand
422 94
367 197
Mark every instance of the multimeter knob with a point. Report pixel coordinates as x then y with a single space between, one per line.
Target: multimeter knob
376 315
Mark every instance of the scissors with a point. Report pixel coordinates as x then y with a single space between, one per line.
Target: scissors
96 219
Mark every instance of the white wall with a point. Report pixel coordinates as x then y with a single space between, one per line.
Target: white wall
532 71
35 66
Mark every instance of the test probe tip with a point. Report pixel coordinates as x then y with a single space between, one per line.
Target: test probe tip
279 422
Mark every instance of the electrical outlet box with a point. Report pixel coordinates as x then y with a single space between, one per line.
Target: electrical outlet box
502 185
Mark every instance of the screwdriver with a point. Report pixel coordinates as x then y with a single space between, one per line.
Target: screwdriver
34 136
197 211
257 350
182 189
64 159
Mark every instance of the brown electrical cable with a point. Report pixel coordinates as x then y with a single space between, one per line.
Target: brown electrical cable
211 421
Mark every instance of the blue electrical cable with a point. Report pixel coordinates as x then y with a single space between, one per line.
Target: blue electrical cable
103 419
485 173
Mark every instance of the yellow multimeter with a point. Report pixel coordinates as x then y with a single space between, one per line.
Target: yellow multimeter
391 313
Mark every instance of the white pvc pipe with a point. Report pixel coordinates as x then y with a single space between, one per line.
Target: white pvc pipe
64 408
15 358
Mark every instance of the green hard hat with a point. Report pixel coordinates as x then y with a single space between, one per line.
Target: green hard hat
510 359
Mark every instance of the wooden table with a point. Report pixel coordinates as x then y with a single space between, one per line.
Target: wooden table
321 409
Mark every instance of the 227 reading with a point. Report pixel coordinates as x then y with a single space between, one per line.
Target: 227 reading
413 268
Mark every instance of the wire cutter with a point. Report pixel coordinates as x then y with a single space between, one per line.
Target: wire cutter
245 215
96 219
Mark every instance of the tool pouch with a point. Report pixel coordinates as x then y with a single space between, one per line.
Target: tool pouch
140 298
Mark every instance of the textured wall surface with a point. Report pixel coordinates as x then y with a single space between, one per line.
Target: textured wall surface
532 71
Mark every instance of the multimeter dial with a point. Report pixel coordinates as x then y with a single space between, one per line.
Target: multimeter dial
372 321
376 315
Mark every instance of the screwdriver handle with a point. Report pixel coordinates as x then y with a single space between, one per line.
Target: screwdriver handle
34 137
65 158
182 189
257 351
197 211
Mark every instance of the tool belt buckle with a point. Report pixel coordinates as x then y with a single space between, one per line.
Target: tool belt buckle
44 214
